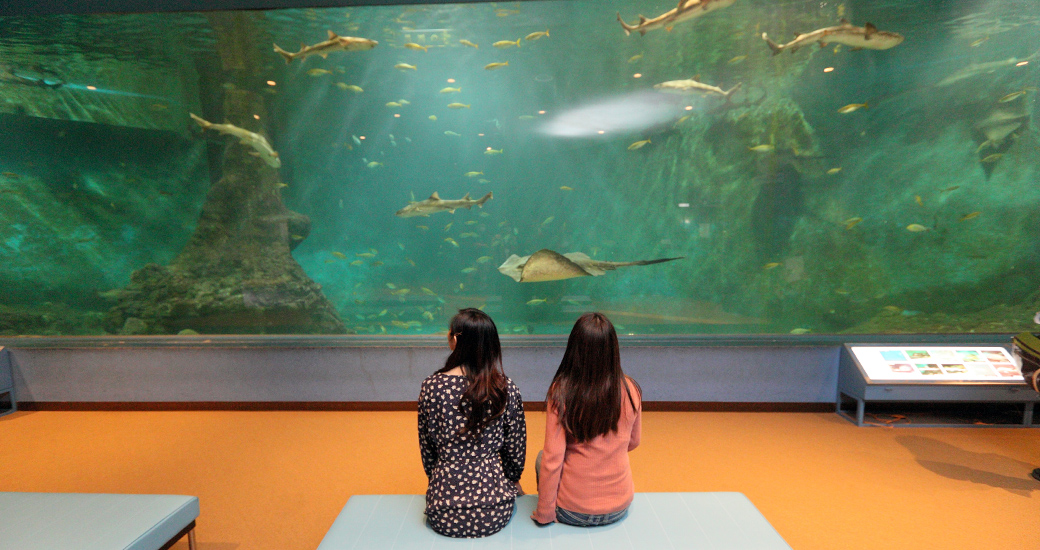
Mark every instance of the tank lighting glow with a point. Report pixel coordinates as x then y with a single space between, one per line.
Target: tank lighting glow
828 69
601 132
541 112
684 205
397 115
362 137
451 81
489 149
92 88
481 135
637 75
270 83
1021 63
256 117
689 107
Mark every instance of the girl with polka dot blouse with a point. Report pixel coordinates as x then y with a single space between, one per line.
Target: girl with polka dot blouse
472 433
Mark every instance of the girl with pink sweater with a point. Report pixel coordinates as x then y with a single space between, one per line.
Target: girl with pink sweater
592 422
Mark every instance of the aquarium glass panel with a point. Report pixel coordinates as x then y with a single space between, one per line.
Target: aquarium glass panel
711 167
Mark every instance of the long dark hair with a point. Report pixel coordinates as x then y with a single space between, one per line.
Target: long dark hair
479 353
587 388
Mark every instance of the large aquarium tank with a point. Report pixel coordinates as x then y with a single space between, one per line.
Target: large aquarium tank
713 167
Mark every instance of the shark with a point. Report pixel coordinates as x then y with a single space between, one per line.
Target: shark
435 204
686 10
547 265
258 142
694 85
335 43
867 36
989 67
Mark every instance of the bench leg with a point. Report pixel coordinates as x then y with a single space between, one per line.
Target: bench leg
191 540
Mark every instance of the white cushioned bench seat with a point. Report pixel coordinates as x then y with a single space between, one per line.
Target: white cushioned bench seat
656 521
85 521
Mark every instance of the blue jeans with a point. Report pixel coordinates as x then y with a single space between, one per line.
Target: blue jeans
578 519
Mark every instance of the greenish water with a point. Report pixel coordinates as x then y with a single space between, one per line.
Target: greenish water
834 191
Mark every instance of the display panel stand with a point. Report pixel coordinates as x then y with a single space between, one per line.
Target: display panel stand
922 374
7 402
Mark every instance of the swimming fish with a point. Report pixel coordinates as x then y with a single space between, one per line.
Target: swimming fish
414 46
764 148
432 117
450 90
483 259
427 315
737 59
537 35
967 217
452 242
393 104
833 171
318 72
339 255
365 255
547 265
357 262
548 220
453 134
435 204
489 151
565 188
493 66
918 200
537 301
333 44
349 87
405 67
694 85
992 158
686 10
852 107
458 106
465 42
469 270
507 43
771 265
852 222
281 185
867 36
258 142
916 228
635 58
638 145
374 164
473 174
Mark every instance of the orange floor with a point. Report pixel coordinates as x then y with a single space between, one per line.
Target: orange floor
276 480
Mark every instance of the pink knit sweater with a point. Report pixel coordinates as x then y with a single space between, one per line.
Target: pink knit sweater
591 477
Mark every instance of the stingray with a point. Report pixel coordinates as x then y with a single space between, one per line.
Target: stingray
1001 122
546 265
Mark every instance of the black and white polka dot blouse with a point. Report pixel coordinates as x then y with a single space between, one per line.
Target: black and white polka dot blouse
467 471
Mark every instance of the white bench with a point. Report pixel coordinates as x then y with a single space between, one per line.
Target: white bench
84 521
655 521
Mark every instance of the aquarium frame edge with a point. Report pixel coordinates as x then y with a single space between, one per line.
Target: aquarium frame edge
508 341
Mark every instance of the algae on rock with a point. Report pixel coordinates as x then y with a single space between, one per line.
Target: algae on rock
236 274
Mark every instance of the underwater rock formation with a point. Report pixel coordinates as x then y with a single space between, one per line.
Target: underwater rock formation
236 274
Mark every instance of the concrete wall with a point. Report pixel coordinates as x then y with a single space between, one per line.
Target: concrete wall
716 374
273 369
